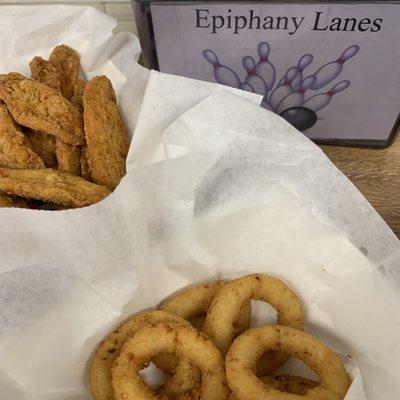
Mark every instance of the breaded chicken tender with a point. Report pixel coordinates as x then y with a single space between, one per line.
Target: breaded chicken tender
51 186
105 132
12 202
86 172
68 157
67 62
77 97
45 72
36 106
15 150
43 144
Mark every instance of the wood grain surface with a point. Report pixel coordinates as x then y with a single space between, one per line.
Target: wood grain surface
376 173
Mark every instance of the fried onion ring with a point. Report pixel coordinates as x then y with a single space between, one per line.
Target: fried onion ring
185 377
109 349
168 337
247 348
195 301
231 297
287 383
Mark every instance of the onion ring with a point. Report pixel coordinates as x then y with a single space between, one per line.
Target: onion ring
287 383
109 349
195 301
234 294
247 348
168 337
186 376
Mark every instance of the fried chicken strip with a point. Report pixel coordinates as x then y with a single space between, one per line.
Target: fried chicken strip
67 62
41 108
77 98
12 76
68 157
86 172
7 201
105 132
51 186
45 72
43 144
15 150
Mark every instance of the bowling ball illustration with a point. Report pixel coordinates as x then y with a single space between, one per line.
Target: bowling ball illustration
301 118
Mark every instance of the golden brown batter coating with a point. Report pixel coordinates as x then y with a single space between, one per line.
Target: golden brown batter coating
45 72
66 60
15 150
77 97
86 172
12 76
7 201
106 134
68 157
44 146
39 107
288 384
51 186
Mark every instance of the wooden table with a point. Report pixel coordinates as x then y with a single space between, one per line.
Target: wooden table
376 173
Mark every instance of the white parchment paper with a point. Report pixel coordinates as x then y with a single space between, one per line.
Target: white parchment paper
216 186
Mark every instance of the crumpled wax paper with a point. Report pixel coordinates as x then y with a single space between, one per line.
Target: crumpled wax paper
216 187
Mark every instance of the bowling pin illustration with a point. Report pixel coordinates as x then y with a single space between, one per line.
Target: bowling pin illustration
329 72
222 74
282 80
252 78
282 91
303 63
319 101
264 69
246 87
295 99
